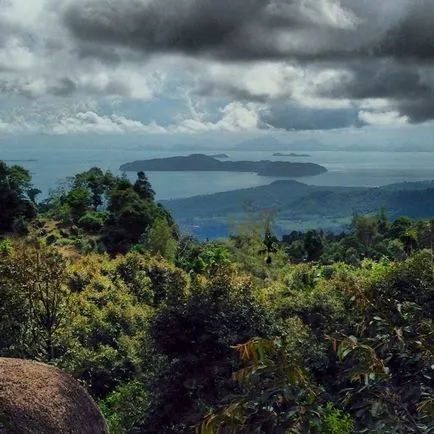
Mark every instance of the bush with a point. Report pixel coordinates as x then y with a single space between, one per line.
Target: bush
20 225
93 221
5 247
124 407
335 421
196 336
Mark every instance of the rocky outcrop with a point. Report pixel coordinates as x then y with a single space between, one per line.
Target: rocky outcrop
38 398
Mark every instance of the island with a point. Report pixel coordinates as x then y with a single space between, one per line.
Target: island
219 156
291 154
205 163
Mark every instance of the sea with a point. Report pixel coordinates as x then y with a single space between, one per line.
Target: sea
50 165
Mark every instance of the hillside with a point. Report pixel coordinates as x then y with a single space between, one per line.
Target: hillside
170 334
297 205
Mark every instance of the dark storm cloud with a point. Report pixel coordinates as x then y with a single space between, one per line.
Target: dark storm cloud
253 29
224 29
381 44
289 117
402 84
413 36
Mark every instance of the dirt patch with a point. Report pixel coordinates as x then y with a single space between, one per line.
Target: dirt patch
38 398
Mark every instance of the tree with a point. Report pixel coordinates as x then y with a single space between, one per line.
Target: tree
159 239
79 201
313 245
143 187
270 243
195 335
399 227
365 229
34 302
130 217
15 202
97 183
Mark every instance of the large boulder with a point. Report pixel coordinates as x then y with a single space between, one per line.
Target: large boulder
38 398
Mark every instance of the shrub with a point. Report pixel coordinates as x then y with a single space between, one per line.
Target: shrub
93 221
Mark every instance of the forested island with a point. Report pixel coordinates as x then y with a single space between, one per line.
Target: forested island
204 163
310 332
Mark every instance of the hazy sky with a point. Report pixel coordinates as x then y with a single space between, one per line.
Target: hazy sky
358 69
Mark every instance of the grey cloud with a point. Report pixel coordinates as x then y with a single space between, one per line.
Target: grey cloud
413 36
387 48
259 29
107 55
63 87
402 84
289 117
224 29
381 44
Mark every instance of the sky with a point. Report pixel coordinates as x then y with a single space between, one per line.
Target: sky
340 70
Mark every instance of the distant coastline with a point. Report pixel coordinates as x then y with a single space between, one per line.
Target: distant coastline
30 160
204 163
291 154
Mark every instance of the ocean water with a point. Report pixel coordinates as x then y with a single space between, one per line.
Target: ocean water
51 164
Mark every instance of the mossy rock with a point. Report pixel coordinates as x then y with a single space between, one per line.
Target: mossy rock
36 398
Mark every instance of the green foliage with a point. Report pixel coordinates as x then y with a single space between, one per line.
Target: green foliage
153 281
93 221
16 206
124 407
5 247
160 240
130 216
335 421
322 333
120 213
143 187
195 335
254 248
313 246
97 184
277 396
34 302
78 201
211 259
107 333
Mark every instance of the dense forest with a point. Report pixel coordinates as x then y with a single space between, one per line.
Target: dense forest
313 333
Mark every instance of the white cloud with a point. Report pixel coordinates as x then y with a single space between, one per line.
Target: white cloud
93 123
38 59
17 125
383 118
271 82
235 117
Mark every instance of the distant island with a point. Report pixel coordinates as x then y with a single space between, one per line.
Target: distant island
291 154
205 163
219 156
270 143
